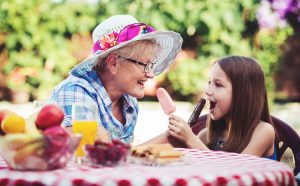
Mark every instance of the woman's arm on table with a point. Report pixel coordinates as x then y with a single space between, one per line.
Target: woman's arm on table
160 139
165 137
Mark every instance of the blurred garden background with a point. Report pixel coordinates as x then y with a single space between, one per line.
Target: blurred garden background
41 40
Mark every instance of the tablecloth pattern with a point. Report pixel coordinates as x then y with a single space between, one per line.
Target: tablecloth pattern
197 168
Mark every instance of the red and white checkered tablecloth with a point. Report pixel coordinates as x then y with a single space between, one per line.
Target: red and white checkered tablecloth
197 168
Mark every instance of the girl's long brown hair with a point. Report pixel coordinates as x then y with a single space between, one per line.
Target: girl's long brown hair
249 103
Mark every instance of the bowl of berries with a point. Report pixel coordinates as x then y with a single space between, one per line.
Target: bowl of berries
107 154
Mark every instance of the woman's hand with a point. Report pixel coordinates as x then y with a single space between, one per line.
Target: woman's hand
102 135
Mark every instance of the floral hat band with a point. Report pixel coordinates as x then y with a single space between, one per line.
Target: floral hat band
127 33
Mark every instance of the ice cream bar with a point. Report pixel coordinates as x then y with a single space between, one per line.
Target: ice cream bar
196 113
165 101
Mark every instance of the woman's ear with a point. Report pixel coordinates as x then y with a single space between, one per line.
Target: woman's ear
112 63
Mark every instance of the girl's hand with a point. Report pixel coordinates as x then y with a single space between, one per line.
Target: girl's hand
179 128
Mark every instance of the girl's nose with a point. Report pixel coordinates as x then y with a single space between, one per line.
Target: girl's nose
208 91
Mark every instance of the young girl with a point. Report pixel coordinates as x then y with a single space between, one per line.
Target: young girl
239 119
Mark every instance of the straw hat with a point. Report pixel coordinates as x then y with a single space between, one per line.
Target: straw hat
120 30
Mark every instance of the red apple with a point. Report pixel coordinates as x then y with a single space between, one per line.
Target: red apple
56 138
3 114
49 116
57 141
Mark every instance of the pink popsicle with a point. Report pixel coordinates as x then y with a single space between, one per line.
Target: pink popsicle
165 101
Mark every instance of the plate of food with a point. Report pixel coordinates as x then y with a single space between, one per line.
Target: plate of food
155 155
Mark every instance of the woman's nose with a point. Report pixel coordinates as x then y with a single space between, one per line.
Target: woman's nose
150 74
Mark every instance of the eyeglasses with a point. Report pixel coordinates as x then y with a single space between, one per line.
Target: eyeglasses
147 67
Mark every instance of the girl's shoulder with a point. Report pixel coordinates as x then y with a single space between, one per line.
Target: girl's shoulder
262 140
265 126
202 134
264 129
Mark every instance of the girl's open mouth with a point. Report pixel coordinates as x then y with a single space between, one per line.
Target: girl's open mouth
212 105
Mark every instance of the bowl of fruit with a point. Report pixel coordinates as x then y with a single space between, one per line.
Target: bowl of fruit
38 142
107 154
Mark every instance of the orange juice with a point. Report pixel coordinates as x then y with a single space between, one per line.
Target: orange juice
88 130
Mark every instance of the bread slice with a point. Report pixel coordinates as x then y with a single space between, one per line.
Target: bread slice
169 154
157 153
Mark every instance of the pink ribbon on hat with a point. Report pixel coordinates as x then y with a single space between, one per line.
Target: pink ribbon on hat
126 34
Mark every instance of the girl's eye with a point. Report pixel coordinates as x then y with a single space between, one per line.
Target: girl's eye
219 84
209 82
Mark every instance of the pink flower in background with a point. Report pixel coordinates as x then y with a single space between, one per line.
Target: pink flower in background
277 13
108 41
17 76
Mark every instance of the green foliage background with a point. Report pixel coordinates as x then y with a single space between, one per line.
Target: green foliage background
40 40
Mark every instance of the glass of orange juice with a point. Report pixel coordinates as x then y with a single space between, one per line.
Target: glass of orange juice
84 122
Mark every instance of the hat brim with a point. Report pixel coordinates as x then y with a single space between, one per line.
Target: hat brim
170 45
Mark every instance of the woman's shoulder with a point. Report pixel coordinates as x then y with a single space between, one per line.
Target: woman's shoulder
70 86
75 83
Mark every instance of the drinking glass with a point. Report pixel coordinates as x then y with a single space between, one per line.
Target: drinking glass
84 121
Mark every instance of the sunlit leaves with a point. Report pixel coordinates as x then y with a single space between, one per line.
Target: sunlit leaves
40 34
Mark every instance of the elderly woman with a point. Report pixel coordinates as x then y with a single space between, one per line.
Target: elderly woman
126 54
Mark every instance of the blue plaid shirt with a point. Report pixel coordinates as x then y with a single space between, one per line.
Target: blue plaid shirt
87 87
